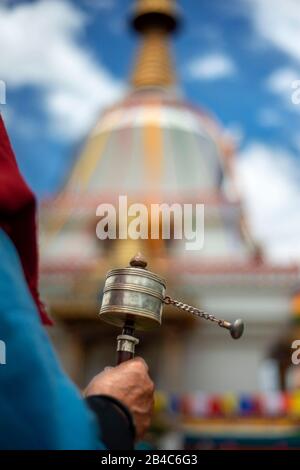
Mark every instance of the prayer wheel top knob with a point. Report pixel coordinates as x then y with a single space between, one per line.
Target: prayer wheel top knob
138 261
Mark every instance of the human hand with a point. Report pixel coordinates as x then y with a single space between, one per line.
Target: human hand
130 383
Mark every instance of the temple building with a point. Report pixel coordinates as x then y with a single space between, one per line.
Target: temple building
154 146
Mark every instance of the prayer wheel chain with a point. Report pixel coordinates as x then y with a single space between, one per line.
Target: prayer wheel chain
193 310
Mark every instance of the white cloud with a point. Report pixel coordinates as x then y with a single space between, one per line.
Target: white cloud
41 49
280 82
278 21
211 67
268 180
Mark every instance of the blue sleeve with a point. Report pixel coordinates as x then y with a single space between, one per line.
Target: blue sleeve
39 406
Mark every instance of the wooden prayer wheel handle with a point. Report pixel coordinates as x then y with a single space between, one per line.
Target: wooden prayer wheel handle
123 356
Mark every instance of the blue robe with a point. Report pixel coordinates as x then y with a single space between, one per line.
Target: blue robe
40 408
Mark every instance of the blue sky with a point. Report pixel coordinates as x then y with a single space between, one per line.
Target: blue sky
63 61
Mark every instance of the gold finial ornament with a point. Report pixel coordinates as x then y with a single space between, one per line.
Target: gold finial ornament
151 12
154 20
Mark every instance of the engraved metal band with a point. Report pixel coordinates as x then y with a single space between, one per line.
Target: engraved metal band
127 343
134 288
138 272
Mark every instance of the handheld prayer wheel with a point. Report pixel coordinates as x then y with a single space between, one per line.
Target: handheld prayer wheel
133 298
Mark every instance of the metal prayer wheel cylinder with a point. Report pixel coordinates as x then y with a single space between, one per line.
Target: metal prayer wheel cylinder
133 294
133 298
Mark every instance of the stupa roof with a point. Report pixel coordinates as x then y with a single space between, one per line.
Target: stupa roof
152 146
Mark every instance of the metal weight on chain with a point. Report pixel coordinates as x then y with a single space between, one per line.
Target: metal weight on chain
133 298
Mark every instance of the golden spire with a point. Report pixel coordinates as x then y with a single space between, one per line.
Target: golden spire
154 20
